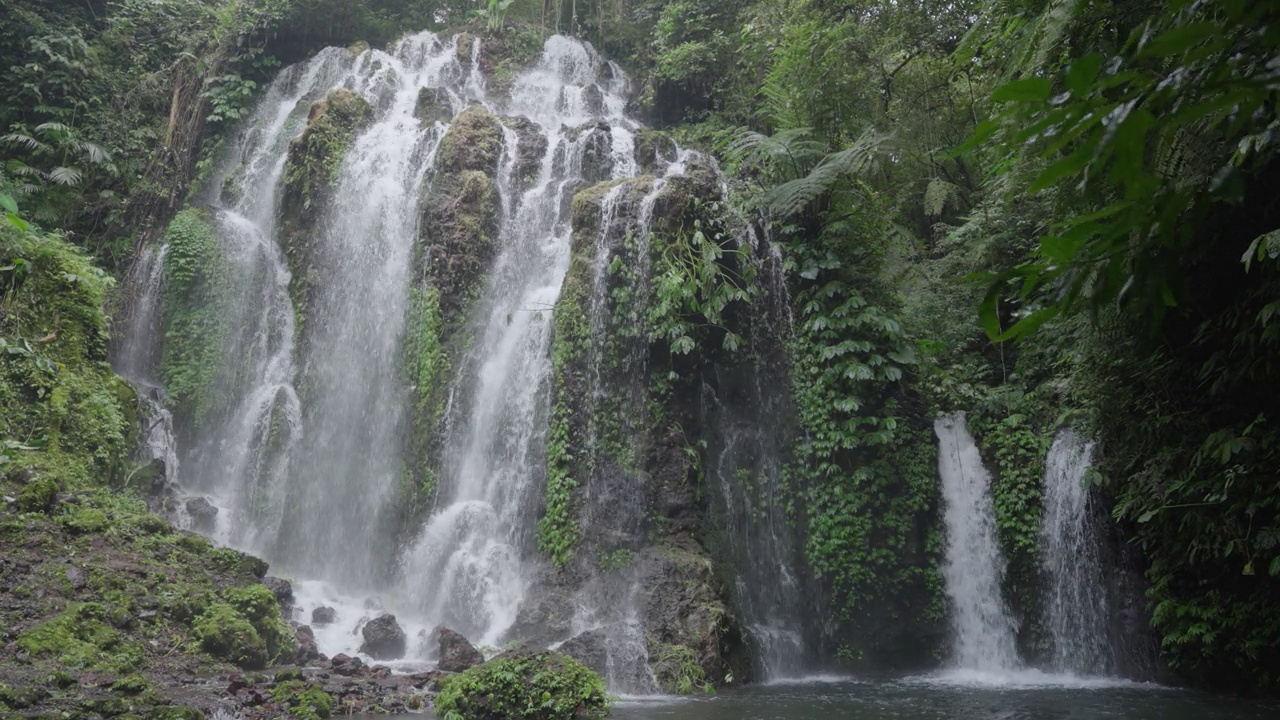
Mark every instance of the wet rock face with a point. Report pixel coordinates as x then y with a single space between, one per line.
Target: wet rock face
433 106
456 652
323 615
383 639
203 514
590 648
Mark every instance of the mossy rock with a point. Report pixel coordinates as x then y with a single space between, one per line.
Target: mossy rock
539 686
225 633
654 149
433 106
304 700
474 142
38 496
84 521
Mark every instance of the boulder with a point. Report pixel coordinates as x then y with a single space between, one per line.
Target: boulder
456 652
323 615
283 591
203 514
589 648
383 638
308 651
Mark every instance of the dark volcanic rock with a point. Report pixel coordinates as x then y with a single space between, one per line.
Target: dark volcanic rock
383 639
203 514
456 652
323 615
283 591
307 649
590 648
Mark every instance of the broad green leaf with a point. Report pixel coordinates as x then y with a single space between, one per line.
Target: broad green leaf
1081 74
1034 89
1179 39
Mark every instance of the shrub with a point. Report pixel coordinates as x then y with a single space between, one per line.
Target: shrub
541 686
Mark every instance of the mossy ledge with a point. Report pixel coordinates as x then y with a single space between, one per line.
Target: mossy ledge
538 686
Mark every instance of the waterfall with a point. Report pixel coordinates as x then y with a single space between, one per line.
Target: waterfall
1076 607
984 631
307 452
469 565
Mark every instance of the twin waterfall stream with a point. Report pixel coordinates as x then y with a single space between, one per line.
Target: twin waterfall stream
305 465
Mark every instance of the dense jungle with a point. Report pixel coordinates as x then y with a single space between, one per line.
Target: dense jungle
654 358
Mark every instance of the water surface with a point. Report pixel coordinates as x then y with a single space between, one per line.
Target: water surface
1021 696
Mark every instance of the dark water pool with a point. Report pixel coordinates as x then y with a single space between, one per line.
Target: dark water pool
1029 696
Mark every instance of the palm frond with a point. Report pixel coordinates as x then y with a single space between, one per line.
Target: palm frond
25 141
65 176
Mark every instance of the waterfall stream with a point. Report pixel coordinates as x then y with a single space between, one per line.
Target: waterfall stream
1076 601
984 631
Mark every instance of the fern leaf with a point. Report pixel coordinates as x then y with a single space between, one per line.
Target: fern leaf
936 196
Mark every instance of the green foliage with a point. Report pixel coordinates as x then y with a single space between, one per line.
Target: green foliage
699 272
196 305
1155 137
65 411
677 669
542 686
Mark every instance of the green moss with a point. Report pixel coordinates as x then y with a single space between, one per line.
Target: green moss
225 633
38 496
80 639
542 686
474 142
84 521
305 701
259 606
427 365
197 296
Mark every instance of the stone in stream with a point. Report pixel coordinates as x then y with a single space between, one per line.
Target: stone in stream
203 514
307 649
383 638
323 615
456 652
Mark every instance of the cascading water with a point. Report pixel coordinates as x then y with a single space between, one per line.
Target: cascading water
1076 601
984 631
134 359
468 566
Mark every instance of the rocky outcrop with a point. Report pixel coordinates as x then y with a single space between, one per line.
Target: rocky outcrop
323 615
202 513
283 590
456 652
383 639
311 170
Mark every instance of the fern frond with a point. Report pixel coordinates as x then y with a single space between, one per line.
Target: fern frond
936 196
791 197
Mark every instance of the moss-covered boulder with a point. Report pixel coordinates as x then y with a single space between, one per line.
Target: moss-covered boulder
540 686
312 169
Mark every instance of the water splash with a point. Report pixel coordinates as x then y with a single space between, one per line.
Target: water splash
984 631
1076 607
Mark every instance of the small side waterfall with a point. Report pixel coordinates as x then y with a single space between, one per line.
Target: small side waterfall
1076 598
984 631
